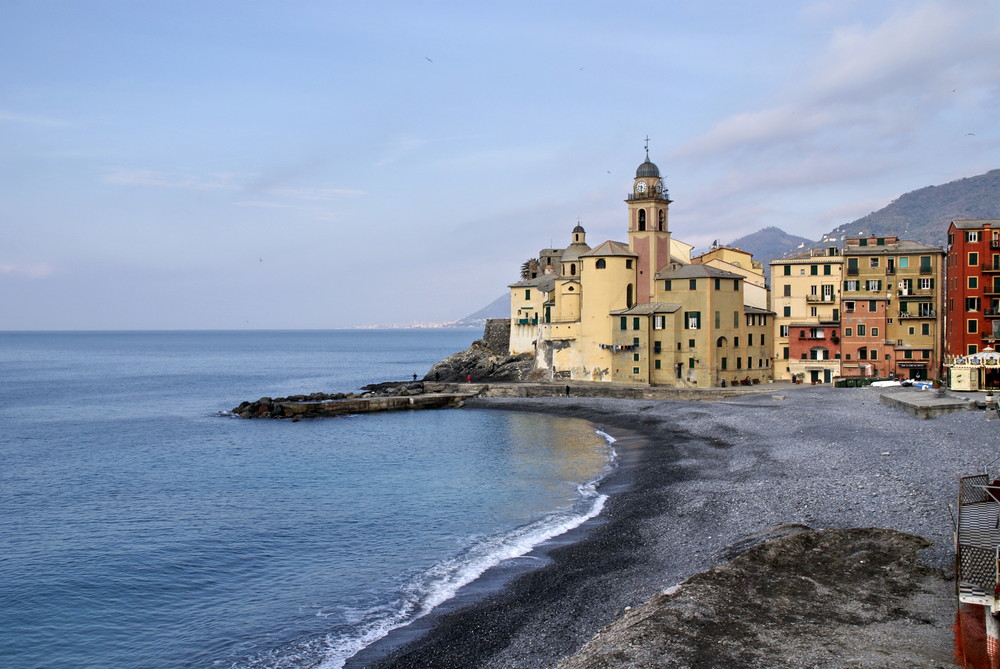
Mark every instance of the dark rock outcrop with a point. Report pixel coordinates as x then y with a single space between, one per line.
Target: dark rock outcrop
482 364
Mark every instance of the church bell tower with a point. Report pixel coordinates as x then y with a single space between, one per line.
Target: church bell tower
648 233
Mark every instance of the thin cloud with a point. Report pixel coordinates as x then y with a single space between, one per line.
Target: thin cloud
222 181
26 119
35 271
313 194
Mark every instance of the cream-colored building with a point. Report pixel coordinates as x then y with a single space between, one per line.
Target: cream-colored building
805 298
640 312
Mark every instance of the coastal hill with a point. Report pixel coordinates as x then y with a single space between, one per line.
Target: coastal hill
921 215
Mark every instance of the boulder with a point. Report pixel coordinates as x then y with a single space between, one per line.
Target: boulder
482 364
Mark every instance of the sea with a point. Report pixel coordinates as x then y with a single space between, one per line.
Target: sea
142 525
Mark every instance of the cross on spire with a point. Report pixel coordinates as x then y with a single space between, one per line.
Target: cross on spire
647 147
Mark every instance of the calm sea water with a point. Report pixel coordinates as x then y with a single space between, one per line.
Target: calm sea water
142 527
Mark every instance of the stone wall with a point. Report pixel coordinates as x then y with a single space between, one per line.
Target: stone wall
496 335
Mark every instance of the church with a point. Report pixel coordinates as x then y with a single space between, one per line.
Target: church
644 312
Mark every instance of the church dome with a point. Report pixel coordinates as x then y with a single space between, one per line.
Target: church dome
579 228
647 169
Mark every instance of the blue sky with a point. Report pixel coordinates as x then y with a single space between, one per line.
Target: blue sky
307 164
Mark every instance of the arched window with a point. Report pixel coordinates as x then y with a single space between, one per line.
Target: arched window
661 223
642 220
601 263
720 342
572 269
628 296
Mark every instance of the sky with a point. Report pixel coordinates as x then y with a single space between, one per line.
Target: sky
306 164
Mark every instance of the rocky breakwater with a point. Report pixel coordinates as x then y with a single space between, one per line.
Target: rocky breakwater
376 397
480 363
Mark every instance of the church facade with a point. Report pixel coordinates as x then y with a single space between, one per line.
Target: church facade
644 311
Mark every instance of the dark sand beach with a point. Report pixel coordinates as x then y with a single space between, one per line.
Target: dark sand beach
701 482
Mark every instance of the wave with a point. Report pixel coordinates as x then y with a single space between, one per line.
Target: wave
442 581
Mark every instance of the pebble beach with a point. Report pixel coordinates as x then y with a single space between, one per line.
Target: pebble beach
697 483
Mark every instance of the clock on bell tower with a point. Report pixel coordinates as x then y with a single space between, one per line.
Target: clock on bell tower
648 233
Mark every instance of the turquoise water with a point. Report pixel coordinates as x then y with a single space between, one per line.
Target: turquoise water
142 527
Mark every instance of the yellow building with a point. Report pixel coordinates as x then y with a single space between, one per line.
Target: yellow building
640 312
805 297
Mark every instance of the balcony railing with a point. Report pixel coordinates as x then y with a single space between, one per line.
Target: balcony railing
922 314
820 298
992 313
889 271
991 267
926 270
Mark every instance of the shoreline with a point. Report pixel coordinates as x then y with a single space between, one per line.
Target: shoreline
711 476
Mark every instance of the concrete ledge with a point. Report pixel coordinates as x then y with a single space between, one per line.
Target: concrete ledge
924 403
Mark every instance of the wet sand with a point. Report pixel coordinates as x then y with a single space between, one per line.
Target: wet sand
698 480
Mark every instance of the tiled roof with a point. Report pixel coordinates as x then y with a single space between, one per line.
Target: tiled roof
902 246
747 309
544 283
974 223
696 271
610 248
648 308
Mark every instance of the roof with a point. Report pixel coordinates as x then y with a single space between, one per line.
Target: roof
696 271
975 223
648 308
747 309
544 283
647 169
574 251
610 248
812 255
902 246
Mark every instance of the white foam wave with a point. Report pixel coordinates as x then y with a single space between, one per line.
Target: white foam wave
442 581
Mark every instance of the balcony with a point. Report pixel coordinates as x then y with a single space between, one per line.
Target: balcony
852 271
991 290
992 313
924 314
820 298
890 271
990 267
926 270
995 243
527 321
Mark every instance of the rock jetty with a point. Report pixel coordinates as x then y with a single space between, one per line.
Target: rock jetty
376 397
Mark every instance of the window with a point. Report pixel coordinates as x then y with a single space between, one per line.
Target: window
739 362
812 312
657 346
814 290
852 266
784 353
527 294
972 349
908 355
693 320
656 364
827 270
690 363
736 284
787 290
926 355
635 357
572 269
851 285
690 343
749 340
972 304
693 284
813 270
720 342
601 263
873 285
848 307
927 284
903 263
874 331
642 220
658 322
973 282
718 284
666 285
873 261
788 270
848 332
861 330
635 370
762 339
635 323
783 331
786 312
718 319
925 328
624 323
972 326
972 236
736 319
628 263
872 306
973 260
724 361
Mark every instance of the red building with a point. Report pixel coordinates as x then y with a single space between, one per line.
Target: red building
973 276
812 342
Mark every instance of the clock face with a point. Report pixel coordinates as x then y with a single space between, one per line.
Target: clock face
640 187
659 186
